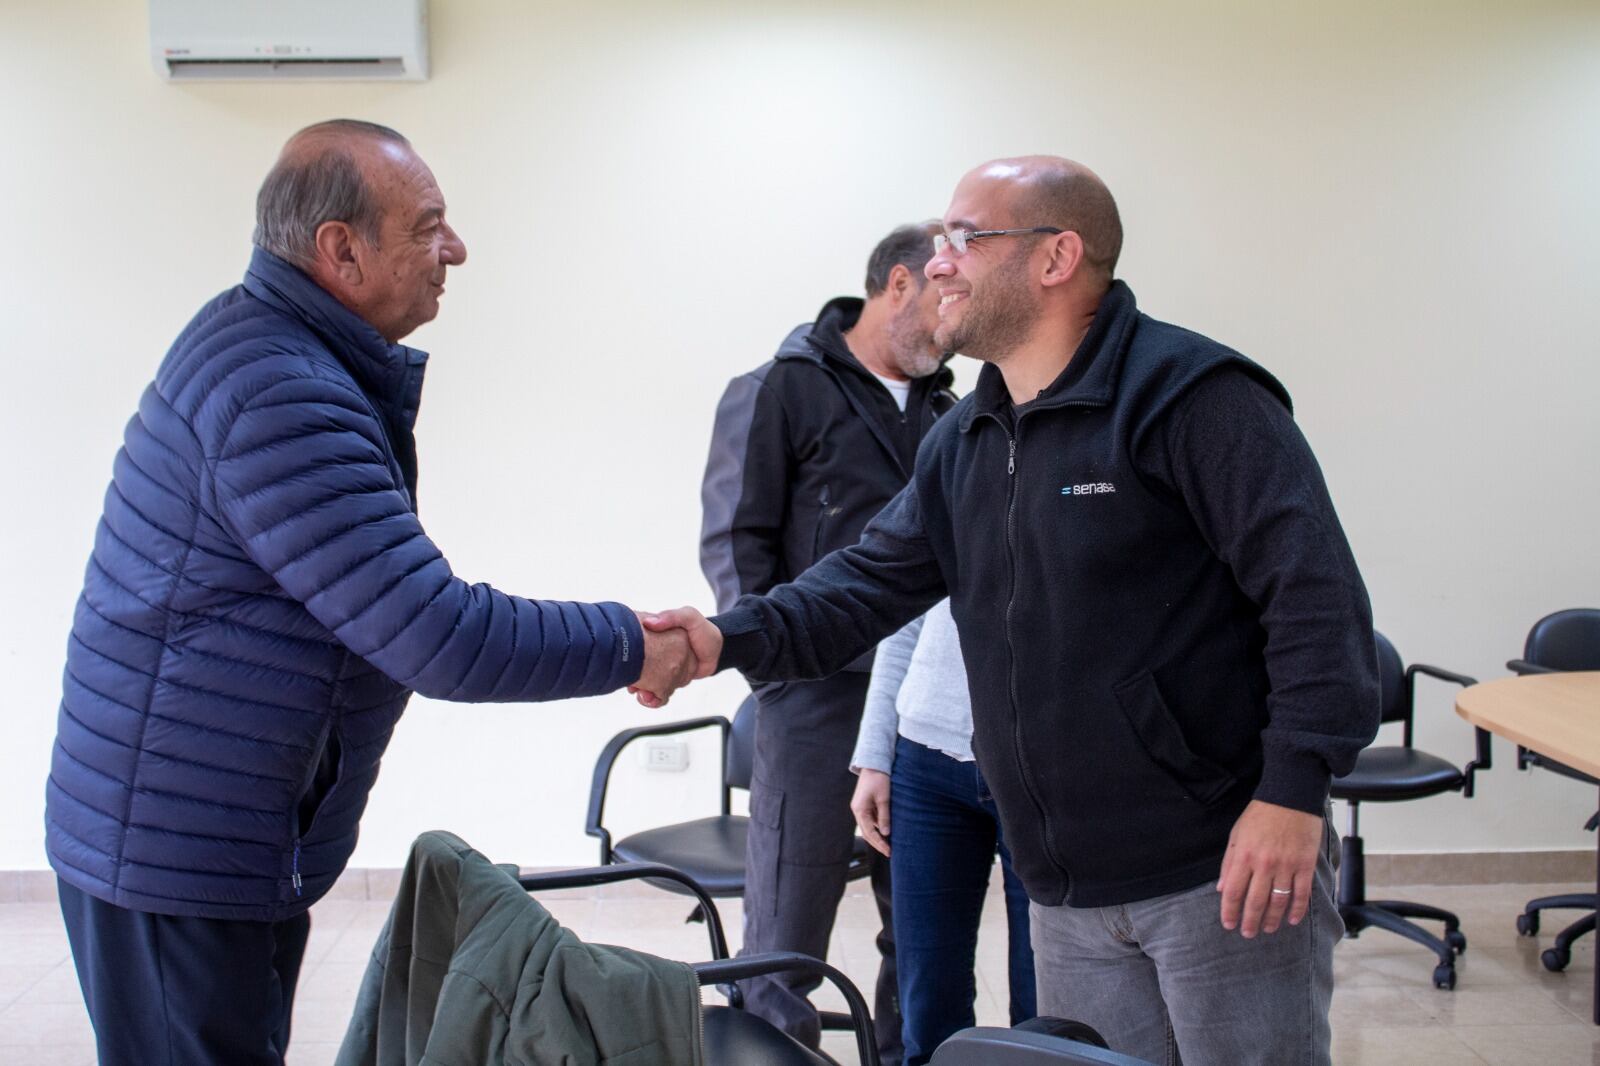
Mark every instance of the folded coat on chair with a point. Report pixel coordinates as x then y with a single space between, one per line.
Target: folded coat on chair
470 969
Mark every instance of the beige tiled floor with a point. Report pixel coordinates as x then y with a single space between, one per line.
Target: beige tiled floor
1506 1010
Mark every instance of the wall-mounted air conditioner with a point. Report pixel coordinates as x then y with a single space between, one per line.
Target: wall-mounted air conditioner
305 40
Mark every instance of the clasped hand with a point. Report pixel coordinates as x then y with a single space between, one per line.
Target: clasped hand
679 646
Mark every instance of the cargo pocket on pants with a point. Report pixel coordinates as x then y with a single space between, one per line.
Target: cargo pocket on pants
765 846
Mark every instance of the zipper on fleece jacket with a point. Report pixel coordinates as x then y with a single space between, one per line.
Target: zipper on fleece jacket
294 872
1013 438
699 1049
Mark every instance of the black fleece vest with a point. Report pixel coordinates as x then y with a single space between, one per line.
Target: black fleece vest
1125 704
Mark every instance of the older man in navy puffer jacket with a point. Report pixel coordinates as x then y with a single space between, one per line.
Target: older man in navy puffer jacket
260 604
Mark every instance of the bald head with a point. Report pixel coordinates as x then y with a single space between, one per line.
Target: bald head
1047 190
322 175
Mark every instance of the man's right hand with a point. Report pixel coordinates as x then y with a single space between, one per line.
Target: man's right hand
669 664
704 644
870 805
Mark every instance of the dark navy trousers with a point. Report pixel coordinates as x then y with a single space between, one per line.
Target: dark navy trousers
944 832
170 991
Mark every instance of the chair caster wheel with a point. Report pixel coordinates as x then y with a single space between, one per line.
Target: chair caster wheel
1528 924
1457 941
1444 976
1555 960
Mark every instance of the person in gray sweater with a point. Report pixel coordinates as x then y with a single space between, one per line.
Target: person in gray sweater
914 756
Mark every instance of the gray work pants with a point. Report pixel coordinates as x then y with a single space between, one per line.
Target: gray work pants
1162 976
801 836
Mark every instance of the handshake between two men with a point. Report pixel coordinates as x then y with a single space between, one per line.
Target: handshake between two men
679 646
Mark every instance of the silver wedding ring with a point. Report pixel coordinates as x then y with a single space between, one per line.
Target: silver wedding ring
1282 891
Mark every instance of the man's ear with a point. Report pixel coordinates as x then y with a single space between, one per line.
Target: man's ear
336 252
1066 259
902 286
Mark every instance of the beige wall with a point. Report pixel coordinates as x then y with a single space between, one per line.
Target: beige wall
1393 206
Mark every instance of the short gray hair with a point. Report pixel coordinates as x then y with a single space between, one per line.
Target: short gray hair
304 189
908 246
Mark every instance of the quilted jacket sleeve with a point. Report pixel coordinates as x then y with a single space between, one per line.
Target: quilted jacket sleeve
302 482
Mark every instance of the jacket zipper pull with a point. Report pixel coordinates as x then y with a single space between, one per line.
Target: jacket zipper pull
295 873
1011 459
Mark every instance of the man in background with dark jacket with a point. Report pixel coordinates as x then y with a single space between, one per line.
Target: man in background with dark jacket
1168 644
261 602
807 448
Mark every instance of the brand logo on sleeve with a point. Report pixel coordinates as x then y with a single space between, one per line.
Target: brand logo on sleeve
1091 488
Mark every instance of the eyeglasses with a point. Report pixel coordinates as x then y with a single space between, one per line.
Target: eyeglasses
960 238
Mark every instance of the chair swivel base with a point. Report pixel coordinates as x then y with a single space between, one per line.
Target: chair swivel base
1392 914
1360 913
1558 956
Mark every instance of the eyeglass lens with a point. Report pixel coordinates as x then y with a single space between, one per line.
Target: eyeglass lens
955 239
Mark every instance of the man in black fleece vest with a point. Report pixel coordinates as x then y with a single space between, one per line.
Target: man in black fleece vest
1168 645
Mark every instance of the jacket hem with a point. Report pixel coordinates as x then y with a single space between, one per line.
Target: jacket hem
1091 893
181 908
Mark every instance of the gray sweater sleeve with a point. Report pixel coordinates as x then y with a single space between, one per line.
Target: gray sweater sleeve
880 721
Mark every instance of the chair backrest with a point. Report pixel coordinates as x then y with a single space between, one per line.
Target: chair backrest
985 1046
742 745
1395 699
1566 640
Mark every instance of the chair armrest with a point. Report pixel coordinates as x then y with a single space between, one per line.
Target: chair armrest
1523 666
746 966
1439 672
1484 758
608 757
631 871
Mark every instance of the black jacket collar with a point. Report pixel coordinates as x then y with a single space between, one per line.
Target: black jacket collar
1090 377
822 342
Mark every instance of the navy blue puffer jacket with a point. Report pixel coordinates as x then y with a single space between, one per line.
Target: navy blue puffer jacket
260 604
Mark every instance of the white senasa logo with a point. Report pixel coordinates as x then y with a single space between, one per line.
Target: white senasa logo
1092 488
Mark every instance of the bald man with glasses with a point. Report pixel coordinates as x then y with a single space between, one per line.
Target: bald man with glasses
1168 644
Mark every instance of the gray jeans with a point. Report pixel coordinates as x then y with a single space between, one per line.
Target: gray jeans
1162 975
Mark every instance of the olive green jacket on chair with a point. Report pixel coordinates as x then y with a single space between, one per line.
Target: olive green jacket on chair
470 970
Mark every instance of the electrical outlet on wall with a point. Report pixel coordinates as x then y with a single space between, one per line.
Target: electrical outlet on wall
666 756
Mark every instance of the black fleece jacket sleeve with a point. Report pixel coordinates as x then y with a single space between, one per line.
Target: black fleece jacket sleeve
1255 491
840 608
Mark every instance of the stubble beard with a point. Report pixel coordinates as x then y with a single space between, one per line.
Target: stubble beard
998 317
911 344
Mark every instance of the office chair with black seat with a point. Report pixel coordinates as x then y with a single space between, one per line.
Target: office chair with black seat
471 968
1565 640
711 849
1394 774
732 1036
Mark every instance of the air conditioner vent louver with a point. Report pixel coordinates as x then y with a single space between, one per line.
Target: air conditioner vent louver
386 67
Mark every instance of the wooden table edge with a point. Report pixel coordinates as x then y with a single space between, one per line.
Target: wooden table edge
1533 685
